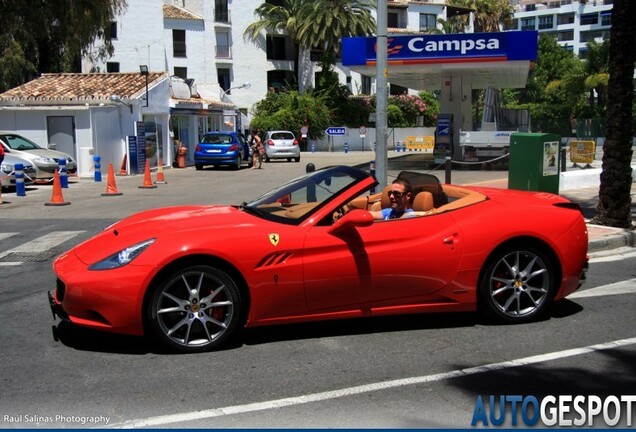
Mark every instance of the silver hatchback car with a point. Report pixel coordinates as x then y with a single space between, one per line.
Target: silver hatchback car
44 160
281 145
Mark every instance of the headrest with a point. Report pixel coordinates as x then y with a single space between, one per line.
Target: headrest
423 201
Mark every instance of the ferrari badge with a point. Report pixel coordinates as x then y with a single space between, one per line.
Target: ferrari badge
274 238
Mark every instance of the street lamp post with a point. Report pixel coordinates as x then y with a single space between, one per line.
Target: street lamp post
245 85
143 69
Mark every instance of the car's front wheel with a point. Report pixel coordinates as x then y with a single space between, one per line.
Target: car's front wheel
195 309
517 285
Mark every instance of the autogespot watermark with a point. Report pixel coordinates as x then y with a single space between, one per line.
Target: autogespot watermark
559 410
43 420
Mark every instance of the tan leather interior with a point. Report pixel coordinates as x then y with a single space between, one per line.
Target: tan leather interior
423 202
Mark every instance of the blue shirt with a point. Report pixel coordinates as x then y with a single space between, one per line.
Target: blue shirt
389 213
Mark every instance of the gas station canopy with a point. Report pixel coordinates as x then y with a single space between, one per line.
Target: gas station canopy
424 62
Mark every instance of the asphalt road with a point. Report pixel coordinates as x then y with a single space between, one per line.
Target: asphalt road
399 372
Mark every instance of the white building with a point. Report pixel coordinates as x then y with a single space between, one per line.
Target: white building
202 41
573 23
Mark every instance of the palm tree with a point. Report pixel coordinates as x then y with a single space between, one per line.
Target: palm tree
326 22
280 18
614 204
490 15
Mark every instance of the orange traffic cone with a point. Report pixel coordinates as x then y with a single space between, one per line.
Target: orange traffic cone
111 186
122 169
160 177
147 179
56 196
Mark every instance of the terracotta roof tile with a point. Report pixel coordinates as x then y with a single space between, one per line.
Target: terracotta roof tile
175 12
81 88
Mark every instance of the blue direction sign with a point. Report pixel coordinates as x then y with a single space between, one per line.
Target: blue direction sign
336 131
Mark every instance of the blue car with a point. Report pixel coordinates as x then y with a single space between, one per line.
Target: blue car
222 148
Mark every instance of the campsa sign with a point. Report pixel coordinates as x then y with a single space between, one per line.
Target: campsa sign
414 49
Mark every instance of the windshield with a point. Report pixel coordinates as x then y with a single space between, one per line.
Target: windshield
296 200
16 142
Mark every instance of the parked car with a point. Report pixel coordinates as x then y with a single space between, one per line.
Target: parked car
7 170
311 250
281 145
222 148
45 161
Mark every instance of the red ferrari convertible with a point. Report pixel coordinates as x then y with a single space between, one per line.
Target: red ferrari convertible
190 276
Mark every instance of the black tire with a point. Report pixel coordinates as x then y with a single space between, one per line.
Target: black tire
199 167
237 163
517 285
297 159
196 309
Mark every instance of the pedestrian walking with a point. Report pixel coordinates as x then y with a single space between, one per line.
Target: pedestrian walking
258 150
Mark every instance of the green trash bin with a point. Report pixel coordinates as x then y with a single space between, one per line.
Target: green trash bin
534 163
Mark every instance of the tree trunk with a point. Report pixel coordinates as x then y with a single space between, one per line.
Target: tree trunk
614 206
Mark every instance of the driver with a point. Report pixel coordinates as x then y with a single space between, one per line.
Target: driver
400 194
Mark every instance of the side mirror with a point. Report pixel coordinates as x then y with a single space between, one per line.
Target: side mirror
353 219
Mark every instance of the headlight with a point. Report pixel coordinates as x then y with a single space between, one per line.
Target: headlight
6 168
122 257
45 160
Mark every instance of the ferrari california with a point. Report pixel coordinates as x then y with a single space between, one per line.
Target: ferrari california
311 250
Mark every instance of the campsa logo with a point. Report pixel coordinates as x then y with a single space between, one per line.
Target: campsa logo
464 46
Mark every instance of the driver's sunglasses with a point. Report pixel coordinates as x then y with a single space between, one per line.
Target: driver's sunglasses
395 193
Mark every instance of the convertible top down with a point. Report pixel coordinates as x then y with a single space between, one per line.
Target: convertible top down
189 276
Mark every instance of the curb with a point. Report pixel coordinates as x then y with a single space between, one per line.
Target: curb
614 240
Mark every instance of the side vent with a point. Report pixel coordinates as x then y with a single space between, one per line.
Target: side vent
274 259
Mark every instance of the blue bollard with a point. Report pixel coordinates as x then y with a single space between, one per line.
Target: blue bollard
63 173
98 168
313 146
346 148
20 189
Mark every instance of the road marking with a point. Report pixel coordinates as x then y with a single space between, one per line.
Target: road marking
383 385
40 244
623 287
7 235
622 253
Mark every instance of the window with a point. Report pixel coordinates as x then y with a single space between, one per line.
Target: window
527 23
512 24
111 31
223 75
606 18
181 72
565 35
178 43
397 90
428 22
276 48
112 67
366 85
392 20
591 18
278 80
565 19
222 45
546 22
221 12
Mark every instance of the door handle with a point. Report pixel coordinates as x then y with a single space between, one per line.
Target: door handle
450 240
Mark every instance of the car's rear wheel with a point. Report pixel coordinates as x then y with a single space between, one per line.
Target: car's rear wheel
196 309
199 167
517 285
